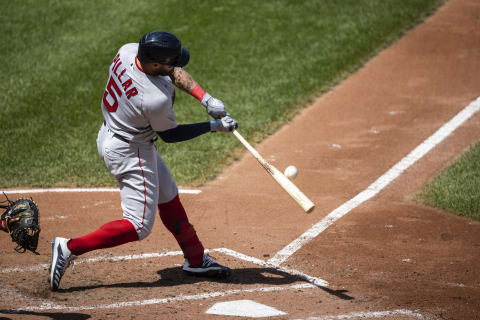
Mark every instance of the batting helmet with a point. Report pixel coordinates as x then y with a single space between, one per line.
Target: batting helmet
162 47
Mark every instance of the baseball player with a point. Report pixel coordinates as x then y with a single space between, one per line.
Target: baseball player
137 106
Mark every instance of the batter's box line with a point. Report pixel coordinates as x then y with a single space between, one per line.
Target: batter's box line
375 314
313 282
138 303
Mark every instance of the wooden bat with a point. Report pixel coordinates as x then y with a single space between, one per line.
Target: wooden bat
283 181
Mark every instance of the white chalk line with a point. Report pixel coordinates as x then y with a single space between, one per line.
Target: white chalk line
372 190
45 266
313 282
232 253
376 314
65 190
53 306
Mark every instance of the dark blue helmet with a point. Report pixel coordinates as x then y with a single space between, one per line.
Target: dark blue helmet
162 47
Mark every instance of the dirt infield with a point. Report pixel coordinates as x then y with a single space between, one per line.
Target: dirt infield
386 257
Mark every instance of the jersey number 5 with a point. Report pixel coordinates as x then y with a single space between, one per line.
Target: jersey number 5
111 89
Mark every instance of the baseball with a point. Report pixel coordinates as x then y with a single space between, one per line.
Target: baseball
290 172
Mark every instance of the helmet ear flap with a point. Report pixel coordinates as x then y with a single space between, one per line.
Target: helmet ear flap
183 58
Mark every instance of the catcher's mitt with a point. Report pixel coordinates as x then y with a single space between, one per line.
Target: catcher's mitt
22 223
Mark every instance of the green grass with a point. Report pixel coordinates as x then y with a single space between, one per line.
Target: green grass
457 189
264 59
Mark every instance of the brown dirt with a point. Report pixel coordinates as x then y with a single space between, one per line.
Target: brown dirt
389 253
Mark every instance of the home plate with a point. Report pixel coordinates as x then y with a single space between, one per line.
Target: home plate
244 308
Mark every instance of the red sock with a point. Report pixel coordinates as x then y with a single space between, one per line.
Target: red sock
174 217
109 235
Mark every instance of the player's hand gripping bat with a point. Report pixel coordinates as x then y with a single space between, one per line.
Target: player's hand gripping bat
283 181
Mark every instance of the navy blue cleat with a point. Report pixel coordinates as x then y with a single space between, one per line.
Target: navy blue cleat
208 268
61 260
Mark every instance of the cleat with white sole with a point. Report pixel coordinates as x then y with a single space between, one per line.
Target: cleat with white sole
62 257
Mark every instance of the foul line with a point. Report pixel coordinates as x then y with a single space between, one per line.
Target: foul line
21 191
282 255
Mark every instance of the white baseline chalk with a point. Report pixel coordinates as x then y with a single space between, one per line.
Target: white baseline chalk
50 305
369 315
39 267
61 190
202 296
45 266
282 255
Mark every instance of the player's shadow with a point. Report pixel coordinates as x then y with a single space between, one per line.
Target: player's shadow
170 277
44 315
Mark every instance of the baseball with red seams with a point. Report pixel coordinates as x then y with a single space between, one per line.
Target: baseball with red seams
291 172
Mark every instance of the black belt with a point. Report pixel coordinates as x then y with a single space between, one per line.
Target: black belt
119 137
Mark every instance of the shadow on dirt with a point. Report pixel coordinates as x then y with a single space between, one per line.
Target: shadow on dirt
170 277
52 315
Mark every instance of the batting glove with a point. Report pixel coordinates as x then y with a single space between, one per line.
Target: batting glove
215 107
226 124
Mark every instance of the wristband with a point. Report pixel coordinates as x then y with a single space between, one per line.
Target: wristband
213 125
198 93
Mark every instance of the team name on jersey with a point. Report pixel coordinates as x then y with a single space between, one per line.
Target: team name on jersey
113 90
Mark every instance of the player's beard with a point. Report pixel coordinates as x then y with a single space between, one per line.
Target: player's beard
166 71
161 73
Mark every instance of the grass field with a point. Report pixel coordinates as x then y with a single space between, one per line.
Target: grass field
264 59
457 189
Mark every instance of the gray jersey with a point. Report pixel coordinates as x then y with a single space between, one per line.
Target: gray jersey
136 105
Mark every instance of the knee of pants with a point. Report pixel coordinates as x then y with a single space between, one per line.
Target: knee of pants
142 227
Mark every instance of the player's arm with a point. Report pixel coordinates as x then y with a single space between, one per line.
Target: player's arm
184 81
186 132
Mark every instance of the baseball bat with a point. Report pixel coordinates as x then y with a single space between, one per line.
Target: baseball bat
283 181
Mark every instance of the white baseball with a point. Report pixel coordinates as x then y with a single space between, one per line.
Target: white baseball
291 172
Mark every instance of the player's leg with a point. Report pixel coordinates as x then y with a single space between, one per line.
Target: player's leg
138 190
64 250
173 214
175 219
135 169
